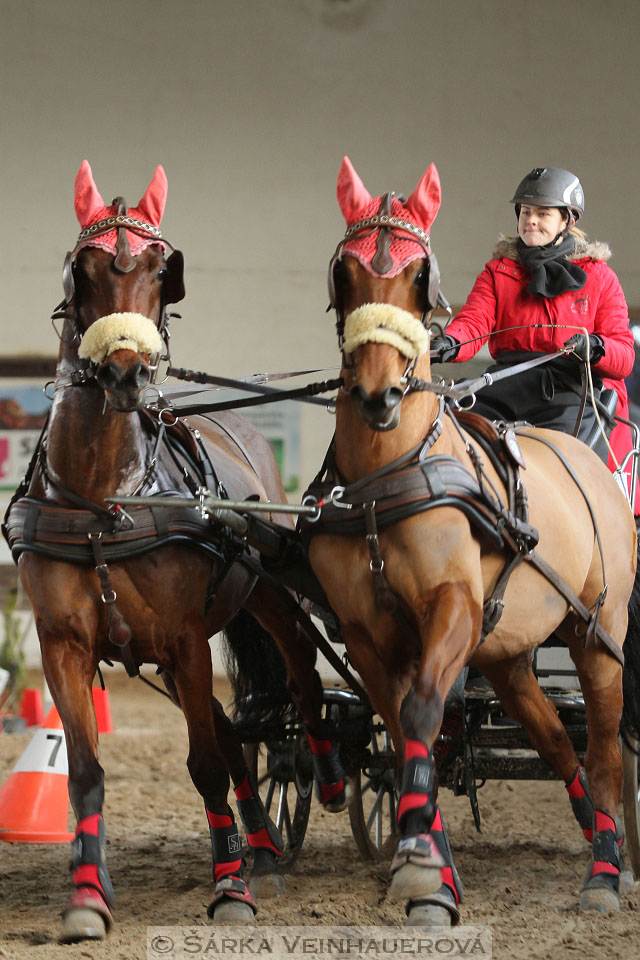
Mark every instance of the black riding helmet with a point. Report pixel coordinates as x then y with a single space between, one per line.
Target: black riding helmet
551 187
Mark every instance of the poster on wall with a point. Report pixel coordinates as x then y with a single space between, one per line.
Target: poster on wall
280 424
24 408
23 411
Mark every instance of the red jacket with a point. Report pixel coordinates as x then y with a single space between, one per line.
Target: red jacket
499 301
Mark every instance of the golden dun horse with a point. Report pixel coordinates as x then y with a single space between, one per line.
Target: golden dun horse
432 560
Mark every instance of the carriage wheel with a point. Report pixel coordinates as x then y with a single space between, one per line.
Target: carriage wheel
373 809
284 774
631 801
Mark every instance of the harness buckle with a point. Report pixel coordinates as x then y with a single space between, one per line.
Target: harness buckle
121 515
336 495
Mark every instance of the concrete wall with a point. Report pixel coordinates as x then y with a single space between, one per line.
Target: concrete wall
250 106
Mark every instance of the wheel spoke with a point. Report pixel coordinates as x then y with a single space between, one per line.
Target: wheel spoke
282 804
376 809
392 810
269 796
287 824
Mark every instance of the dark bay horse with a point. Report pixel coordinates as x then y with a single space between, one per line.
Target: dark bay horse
141 587
419 590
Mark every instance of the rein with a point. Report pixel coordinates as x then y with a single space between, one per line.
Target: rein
306 394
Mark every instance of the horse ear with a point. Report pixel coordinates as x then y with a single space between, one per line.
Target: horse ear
353 196
153 202
86 197
425 200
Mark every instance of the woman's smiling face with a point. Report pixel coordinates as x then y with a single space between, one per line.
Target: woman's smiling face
540 225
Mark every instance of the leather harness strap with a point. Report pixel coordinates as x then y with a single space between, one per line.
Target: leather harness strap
408 486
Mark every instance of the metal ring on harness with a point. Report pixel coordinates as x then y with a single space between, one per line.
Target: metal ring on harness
310 501
171 413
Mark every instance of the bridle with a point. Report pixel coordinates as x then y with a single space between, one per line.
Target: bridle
172 288
389 227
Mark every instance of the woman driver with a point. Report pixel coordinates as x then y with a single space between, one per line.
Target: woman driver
536 293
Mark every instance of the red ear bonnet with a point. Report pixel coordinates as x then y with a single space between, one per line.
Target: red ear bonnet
425 200
357 204
152 204
90 208
353 196
86 198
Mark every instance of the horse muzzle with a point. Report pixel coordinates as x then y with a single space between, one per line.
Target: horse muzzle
380 411
123 386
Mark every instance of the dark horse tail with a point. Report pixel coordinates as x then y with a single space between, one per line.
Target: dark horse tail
631 671
257 673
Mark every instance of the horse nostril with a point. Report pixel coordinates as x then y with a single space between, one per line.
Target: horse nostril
392 397
358 394
139 375
109 375
376 403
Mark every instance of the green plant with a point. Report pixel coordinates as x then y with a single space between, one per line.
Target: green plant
12 655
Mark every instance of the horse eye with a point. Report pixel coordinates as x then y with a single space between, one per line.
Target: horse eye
419 277
162 272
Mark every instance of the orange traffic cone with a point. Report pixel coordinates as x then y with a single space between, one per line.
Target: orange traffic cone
34 802
103 710
31 708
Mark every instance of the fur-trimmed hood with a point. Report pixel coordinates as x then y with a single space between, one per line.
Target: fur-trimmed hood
594 249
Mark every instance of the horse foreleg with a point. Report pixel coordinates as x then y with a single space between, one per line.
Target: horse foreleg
69 669
273 610
231 901
448 631
601 682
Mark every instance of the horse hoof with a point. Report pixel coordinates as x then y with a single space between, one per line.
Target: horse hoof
82 923
412 882
342 800
428 915
232 911
627 882
267 887
599 899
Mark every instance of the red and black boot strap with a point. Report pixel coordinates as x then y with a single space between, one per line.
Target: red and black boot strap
89 866
605 867
226 844
581 802
582 805
328 772
418 781
260 829
228 861
450 893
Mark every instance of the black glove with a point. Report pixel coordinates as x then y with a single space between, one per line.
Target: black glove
577 346
444 348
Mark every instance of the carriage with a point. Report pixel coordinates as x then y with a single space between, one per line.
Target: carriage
434 684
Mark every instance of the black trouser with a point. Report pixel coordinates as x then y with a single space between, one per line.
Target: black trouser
548 395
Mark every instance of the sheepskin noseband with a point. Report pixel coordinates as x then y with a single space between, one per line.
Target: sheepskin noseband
120 331
384 323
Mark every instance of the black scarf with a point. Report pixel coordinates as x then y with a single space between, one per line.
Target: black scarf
551 272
